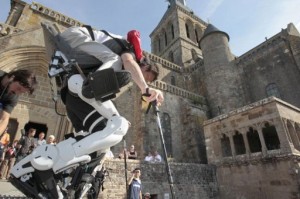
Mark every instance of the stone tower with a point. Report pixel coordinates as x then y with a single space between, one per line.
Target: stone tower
176 37
220 73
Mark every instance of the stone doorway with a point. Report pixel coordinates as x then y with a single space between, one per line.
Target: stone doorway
12 128
38 126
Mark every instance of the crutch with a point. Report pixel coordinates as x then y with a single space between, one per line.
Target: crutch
156 112
125 165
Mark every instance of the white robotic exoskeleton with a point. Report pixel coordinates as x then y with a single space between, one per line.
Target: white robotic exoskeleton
70 152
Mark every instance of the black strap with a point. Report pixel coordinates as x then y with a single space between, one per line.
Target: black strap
125 48
89 28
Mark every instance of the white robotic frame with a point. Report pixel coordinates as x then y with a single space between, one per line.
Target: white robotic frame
69 153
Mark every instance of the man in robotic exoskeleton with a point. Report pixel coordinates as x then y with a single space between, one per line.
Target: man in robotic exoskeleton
109 62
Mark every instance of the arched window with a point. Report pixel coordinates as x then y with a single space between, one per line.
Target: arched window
292 132
272 90
225 145
197 37
159 45
171 56
173 33
254 141
187 30
167 132
173 80
271 137
166 39
239 144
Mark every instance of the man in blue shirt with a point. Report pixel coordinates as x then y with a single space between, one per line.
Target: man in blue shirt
135 185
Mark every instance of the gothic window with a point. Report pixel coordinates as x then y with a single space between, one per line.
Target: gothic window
197 37
187 30
167 133
272 90
173 80
297 131
225 146
166 39
239 144
173 33
253 140
171 56
293 135
198 34
159 45
271 137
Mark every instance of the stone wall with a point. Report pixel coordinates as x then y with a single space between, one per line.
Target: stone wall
191 181
272 178
275 61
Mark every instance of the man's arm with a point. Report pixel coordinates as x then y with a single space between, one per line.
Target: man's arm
132 66
4 119
130 180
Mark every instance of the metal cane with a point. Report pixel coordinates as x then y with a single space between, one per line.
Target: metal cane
125 165
170 178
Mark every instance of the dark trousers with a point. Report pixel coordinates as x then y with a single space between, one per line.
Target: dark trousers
78 110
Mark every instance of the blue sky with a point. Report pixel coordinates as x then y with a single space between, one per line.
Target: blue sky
247 22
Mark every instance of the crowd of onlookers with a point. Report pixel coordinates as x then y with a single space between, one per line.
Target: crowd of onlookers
134 181
153 156
10 153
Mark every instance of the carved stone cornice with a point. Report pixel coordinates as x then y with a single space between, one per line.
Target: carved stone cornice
56 16
7 29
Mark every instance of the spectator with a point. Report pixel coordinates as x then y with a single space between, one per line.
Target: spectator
26 144
132 154
153 156
12 85
135 185
9 160
157 157
41 139
147 195
123 153
4 141
51 139
149 157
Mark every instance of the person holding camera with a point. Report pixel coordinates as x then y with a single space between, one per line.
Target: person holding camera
135 185
12 85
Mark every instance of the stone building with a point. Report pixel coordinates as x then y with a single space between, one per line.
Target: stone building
225 134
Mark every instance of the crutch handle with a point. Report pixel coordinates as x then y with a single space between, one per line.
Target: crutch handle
155 107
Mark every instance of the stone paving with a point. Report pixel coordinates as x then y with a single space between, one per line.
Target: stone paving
7 190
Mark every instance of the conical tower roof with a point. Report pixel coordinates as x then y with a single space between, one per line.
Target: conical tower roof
210 29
